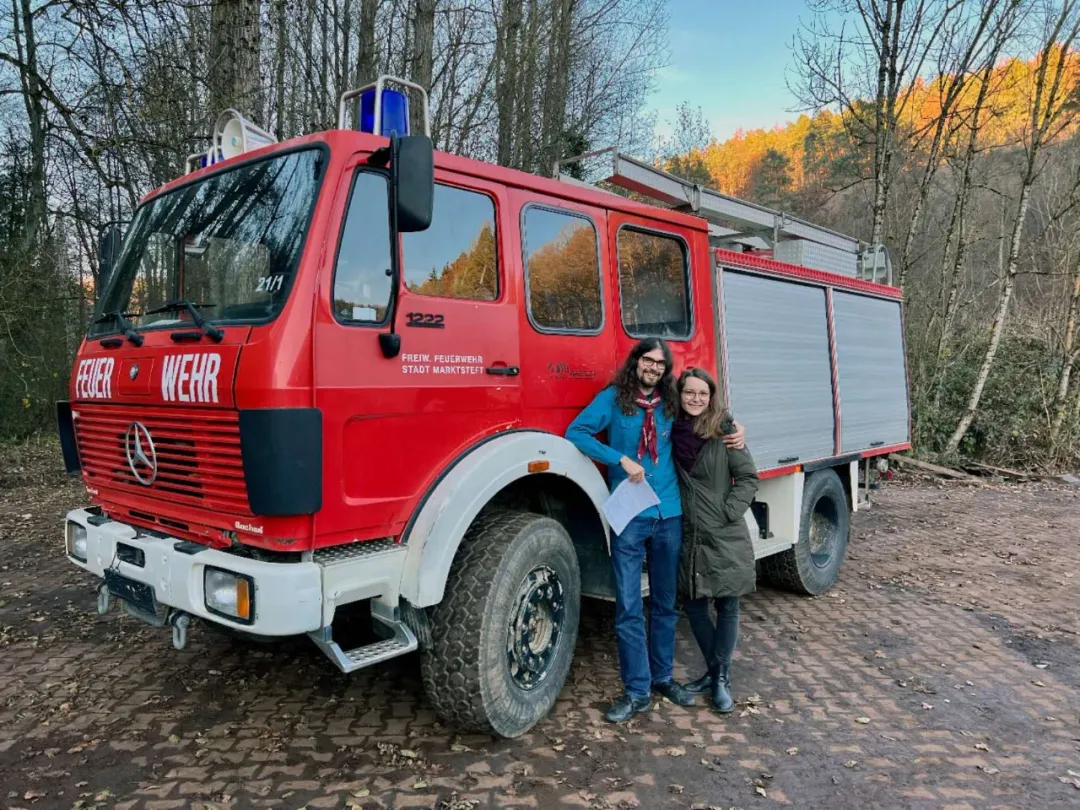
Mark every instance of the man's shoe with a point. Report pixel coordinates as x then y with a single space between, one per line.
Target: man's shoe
625 707
721 697
674 692
703 685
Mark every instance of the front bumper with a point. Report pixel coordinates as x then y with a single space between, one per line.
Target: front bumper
288 598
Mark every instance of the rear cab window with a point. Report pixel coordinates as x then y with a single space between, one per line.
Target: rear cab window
654 284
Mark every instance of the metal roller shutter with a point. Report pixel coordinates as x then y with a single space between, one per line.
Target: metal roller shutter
778 368
873 377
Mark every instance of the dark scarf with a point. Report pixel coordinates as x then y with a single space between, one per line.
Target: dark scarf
685 444
647 443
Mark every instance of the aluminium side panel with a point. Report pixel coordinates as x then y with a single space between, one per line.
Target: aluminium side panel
872 373
804 253
778 367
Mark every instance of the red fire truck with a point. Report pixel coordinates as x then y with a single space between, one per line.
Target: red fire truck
327 381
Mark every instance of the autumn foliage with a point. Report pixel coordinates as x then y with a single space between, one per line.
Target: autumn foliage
816 150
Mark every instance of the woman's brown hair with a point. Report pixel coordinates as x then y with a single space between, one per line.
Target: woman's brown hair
714 421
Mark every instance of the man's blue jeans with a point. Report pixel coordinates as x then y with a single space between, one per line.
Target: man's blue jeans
645 662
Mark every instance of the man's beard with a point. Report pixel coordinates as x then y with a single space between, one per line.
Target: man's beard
645 383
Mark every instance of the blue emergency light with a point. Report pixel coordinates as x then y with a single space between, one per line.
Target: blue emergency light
395 112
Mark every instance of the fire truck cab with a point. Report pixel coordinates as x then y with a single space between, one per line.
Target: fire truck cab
327 382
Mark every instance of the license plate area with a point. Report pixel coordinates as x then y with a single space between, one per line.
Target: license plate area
137 594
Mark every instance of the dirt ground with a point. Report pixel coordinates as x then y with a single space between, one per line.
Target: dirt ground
942 671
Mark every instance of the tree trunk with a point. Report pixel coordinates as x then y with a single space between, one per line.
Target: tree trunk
887 25
999 325
951 272
423 42
1069 353
367 56
234 57
506 82
34 101
345 76
525 107
306 115
324 63
560 64
280 21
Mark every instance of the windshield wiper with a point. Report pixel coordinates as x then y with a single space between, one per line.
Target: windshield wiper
213 332
122 322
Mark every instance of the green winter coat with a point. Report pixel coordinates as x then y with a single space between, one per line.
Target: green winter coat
717 557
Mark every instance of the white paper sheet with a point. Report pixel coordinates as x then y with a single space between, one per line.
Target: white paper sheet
627 502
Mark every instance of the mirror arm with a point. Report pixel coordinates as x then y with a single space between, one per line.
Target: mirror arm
390 342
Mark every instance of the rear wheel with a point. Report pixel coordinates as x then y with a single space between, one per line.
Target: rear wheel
812 565
503 637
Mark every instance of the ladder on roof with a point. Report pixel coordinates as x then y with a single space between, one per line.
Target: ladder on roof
738 224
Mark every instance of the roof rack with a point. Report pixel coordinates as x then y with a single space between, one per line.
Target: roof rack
738 223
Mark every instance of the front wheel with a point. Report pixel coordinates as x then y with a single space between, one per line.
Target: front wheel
503 637
812 565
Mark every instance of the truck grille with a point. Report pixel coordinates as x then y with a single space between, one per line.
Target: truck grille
198 454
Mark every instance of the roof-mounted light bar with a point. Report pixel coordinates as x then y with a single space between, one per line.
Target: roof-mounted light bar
377 96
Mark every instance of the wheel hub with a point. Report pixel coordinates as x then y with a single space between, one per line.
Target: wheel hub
535 626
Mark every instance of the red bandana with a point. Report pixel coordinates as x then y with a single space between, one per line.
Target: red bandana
647 444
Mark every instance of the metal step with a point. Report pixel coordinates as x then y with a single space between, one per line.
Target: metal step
402 642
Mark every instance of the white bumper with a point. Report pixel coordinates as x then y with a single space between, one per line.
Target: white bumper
288 597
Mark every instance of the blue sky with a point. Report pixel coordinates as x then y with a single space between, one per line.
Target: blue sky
730 58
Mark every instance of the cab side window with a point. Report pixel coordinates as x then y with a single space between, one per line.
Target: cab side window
362 278
562 271
456 256
654 284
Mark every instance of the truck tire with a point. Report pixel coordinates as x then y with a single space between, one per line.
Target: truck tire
503 637
812 565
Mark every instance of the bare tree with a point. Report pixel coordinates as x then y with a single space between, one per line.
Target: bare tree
970 46
1050 113
892 41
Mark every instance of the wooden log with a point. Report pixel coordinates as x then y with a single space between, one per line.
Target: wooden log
1002 471
934 468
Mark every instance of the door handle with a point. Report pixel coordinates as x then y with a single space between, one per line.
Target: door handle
505 371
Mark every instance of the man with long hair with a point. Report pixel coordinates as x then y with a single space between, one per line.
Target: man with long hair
638 410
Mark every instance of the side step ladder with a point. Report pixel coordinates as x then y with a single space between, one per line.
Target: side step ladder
401 642
359 571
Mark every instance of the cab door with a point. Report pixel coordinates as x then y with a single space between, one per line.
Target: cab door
663 288
567 323
391 425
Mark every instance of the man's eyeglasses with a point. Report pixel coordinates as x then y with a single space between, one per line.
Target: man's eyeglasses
649 362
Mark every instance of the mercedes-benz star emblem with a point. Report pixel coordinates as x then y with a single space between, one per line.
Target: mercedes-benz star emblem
134 371
141 456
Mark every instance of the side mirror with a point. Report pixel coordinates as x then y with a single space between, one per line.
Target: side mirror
108 251
413 173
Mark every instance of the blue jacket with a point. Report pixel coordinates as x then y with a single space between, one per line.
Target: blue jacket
624 434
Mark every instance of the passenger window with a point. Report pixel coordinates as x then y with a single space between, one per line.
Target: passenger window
455 257
653 285
361 280
562 271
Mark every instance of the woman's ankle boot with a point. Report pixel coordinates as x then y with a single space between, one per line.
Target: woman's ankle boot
704 684
721 697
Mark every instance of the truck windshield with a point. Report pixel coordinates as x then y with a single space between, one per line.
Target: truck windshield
229 244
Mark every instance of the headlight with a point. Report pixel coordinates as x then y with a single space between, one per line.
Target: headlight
76 541
228 594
